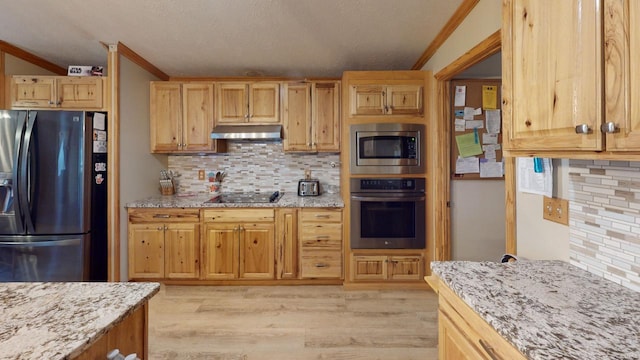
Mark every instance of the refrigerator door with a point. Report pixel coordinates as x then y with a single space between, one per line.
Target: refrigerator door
57 173
51 259
12 127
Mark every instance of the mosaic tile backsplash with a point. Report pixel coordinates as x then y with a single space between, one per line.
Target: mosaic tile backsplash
604 219
257 166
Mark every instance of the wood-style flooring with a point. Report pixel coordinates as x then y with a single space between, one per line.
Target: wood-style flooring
292 322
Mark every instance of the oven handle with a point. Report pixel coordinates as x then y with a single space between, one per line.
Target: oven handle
394 197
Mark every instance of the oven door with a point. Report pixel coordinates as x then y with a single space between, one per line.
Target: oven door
388 221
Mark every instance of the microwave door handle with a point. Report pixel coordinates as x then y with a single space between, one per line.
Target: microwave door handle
388 198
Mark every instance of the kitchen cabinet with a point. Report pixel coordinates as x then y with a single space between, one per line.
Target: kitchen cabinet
388 268
286 243
57 92
311 117
248 103
320 235
163 243
382 99
238 244
569 79
181 118
463 334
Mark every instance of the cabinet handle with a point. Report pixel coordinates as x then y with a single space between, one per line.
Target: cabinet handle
322 237
321 265
161 216
583 129
50 102
321 216
159 228
609 128
489 349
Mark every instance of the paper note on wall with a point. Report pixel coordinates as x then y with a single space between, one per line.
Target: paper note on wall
461 93
467 165
532 182
460 124
491 168
468 144
489 96
493 121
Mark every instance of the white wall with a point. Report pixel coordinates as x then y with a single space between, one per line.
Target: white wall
139 169
16 66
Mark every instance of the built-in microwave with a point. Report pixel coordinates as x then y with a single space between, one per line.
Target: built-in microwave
387 148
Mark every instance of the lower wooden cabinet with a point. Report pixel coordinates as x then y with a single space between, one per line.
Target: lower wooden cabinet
382 267
320 235
164 244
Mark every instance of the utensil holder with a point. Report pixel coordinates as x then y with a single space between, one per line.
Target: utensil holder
167 187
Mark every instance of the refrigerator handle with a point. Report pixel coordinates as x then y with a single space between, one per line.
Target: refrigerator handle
27 179
18 187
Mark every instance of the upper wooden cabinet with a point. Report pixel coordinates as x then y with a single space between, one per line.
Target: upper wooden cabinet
569 77
181 116
386 100
248 103
51 92
312 117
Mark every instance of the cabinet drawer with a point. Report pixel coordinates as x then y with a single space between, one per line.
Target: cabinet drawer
164 215
244 215
320 264
321 244
321 215
320 231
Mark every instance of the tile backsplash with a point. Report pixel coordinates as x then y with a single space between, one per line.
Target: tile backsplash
604 219
253 165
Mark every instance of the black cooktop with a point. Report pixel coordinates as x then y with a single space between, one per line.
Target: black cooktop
246 198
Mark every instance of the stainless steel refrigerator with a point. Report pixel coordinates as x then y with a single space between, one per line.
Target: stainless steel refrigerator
53 196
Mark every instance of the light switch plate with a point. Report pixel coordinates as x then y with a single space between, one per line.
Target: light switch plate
556 210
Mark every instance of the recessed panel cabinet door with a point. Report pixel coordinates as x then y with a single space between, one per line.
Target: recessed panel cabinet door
220 252
166 115
257 253
232 103
553 51
326 116
297 117
197 107
146 251
182 251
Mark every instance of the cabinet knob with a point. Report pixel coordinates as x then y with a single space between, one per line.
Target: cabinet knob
583 129
609 128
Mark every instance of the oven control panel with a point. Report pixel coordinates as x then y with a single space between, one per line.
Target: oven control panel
386 184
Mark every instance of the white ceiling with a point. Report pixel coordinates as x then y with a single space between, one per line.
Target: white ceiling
293 38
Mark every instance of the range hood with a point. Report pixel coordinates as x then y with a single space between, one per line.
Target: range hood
247 132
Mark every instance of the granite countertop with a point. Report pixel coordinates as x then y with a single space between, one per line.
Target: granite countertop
550 309
61 320
288 200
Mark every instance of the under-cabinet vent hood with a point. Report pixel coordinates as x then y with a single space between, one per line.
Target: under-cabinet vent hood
247 132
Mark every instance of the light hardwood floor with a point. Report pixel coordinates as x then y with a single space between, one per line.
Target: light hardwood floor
292 322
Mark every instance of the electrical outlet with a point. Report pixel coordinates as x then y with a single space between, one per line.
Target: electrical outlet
556 210
307 174
200 174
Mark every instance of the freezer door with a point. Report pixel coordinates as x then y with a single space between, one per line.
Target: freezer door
58 173
12 127
47 259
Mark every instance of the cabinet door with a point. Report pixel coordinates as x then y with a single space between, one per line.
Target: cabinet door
286 243
197 121
264 103
257 254
33 91
404 100
182 251
165 117
326 117
405 267
297 117
146 251
452 344
232 104
369 267
220 252
622 54
552 74
79 92
367 100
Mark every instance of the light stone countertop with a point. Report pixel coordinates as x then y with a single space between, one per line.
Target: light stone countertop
549 309
288 200
60 320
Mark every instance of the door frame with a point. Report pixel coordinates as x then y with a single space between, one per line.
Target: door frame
441 197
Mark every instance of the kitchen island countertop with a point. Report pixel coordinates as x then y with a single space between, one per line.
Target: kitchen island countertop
288 200
549 309
61 320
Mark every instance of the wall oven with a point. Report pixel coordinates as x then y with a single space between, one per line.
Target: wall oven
386 148
388 213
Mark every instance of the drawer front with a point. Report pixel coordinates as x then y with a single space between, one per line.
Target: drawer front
320 264
239 215
320 231
321 244
321 215
164 215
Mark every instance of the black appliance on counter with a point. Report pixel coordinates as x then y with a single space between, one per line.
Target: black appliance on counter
53 193
388 213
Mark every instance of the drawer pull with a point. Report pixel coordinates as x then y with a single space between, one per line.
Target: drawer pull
161 216
322 216
489 349
321 265
322 237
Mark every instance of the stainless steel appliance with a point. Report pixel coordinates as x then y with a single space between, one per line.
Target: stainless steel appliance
53 193
246 198
308 187
388 213
387 148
